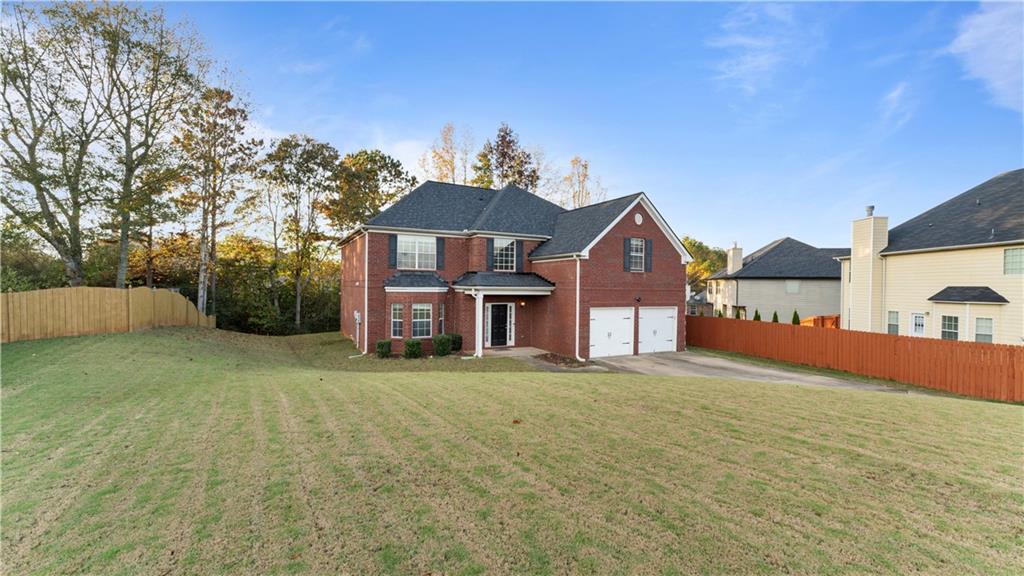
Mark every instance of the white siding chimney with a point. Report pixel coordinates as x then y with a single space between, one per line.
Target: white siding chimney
734 259
870 235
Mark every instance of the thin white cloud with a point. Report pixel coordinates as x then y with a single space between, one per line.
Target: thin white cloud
897 107
259 130
990 46
760 40
302 67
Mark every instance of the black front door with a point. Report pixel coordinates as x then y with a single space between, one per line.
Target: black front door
499 325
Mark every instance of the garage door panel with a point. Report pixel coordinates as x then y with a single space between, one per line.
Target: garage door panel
657 329
611 332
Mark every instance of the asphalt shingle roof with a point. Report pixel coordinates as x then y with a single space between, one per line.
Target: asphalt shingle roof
789 258
415 280
968 294
575 229
992 211
436 206
515 210
699 298
503 280
456 208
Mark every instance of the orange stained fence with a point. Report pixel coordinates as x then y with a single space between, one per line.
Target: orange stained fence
990 371
86 310
821 321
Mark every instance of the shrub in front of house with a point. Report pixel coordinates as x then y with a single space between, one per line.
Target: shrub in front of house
796 317
383 348
413 349
736 313
775 317
456 342
757 315
719 314
442 344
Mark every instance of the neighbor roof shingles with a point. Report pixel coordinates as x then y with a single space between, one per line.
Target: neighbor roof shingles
789 258
969 294
992 211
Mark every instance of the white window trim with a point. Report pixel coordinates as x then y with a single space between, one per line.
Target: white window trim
942 326
429 320
440 318
391 327
416 239
494 255
1006 253
992 334
642 254
890 323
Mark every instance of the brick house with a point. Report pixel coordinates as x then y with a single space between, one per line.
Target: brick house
508 268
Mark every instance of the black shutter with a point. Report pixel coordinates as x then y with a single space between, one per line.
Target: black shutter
519 255
648 254
490 254
625 254
392 251
440 253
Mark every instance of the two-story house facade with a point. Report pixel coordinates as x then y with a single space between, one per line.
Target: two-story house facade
954 272
508 268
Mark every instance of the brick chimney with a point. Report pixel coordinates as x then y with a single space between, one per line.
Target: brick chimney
734 259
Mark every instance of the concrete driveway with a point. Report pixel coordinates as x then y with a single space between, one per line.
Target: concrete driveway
698 364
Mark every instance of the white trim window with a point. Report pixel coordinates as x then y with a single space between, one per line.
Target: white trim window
504 255
983 330
1013 261
792 286
440 318
894 323
397 313
421 323
417 252
950 327
636 254
917 324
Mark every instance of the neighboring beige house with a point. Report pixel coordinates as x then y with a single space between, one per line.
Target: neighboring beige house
781 277
954 272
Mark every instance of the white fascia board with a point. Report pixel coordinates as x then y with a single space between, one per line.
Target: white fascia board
489 234
559 258
685 256
414 290
504 290
414 231
883 254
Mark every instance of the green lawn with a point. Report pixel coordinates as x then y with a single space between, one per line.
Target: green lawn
200 452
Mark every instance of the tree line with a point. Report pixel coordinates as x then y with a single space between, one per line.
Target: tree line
128 159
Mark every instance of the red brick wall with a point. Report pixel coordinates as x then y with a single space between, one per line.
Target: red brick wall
605 283
407 299
352 287
554 328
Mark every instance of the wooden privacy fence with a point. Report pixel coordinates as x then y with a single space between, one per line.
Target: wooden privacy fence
821 321
80 311
990 371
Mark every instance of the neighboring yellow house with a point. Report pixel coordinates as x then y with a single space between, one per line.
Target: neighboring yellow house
954 272
781 277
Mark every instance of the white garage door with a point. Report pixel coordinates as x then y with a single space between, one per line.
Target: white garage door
611 332
657 329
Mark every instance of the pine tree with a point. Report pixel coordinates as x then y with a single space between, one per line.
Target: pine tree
796 317
719 313
736 313
757 315
775 317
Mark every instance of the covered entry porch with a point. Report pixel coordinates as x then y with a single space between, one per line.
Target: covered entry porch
499 303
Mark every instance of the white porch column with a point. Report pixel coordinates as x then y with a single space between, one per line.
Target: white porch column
479 326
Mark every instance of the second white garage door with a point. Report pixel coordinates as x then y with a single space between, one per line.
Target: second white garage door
657 329
611 332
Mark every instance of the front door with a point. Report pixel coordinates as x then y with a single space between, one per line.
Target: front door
499 324
917 324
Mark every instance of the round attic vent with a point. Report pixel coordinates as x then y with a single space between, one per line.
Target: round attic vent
638 218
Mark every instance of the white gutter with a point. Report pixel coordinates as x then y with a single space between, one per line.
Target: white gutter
578 357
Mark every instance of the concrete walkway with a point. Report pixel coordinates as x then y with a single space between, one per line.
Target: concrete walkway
697 364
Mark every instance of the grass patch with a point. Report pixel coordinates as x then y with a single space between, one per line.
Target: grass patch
195 451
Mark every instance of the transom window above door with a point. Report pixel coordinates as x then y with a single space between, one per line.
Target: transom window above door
504 255
417 252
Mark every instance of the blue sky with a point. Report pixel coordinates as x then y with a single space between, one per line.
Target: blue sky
742 122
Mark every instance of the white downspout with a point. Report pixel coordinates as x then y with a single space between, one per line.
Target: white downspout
366 293
578 357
